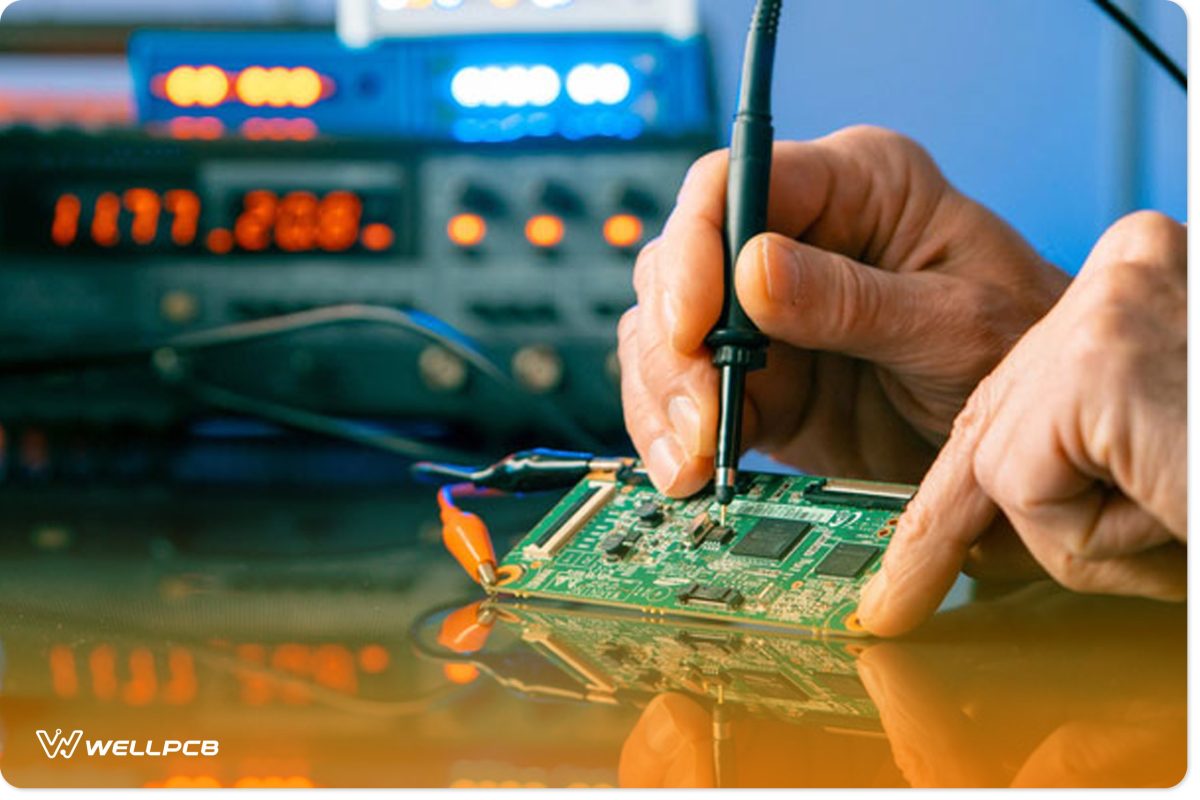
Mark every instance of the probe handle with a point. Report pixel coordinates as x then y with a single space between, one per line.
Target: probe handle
746 217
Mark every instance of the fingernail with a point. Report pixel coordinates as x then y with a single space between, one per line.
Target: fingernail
873 596
664 461
685 419
781 272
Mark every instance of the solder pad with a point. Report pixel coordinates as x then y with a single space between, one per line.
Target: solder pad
765 576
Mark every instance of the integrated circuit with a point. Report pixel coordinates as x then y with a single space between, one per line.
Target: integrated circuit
847 560
787 554
772 539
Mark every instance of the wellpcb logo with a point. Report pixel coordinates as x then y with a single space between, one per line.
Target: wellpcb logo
59 745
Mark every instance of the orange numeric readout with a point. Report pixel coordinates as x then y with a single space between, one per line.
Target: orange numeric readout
295 222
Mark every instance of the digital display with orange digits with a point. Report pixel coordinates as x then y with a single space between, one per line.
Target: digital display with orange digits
139 219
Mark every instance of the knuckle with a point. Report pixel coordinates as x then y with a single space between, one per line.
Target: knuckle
714 160
991 325
627 328
1139 243
887 142
1070 572
644 264
974 416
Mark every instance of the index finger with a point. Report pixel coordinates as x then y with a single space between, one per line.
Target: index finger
932 540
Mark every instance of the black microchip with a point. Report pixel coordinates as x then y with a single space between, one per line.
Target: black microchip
847 560
650 513
771 538
615 546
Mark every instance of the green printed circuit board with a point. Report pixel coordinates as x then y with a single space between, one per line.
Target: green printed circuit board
795 551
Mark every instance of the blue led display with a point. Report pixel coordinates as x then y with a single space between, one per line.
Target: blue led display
471 89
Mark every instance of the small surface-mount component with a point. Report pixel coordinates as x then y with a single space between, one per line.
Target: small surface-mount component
863 494
650 513
771 538
704 529
614 546
705 596
847 560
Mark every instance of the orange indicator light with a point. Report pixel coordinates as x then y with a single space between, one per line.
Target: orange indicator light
220 241
279 87
623 231
467 230
304 87
545 231
378 237
206 86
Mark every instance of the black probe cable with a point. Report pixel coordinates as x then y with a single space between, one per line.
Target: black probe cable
1144 41
737 344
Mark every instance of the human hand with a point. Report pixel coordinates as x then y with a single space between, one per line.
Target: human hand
887 294
1079 437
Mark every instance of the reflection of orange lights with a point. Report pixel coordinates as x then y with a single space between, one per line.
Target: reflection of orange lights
374 659
274 782
545 231
220 241
467 230
66 220
206 128
143 680
62 671
185 782
460 673
145 207
180 687
333 666
185 206
104 222
378 237
206 86
300 130
623 230
102 663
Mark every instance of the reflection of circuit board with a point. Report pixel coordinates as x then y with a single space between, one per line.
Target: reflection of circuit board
795 551
790 677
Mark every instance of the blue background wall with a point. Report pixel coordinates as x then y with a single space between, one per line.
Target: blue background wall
1041 109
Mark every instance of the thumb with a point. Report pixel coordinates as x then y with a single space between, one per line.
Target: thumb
820 300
